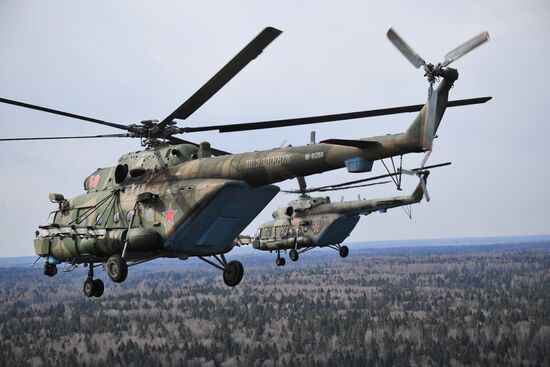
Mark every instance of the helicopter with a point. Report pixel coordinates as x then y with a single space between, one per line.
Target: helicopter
309 222
180 199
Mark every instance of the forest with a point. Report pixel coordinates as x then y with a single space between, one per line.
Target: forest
471 306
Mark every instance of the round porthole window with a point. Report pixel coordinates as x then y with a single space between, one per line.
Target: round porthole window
150 214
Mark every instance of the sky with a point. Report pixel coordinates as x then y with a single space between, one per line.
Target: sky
126 61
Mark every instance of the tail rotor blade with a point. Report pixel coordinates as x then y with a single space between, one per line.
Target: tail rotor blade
425 159
405 49
465 48
424 188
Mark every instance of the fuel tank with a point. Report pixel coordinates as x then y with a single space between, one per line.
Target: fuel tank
101 243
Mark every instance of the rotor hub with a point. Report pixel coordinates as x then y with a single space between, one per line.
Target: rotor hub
432 72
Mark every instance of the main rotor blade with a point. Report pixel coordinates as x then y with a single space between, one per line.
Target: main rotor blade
353 186
465 48
69 137
232 68
62 113
405 49
226 128
432 166
468 101
321 188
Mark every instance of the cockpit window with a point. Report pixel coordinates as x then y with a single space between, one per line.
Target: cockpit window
52 217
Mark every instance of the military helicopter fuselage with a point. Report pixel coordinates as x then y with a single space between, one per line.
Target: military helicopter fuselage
181 199
184 202
310 222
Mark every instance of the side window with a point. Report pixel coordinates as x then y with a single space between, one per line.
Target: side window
266 232
281 231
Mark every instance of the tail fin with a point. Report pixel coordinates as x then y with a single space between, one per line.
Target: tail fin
419 130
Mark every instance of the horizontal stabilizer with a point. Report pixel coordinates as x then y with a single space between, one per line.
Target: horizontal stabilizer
362 144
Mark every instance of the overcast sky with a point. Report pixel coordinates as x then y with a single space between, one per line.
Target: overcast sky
125 61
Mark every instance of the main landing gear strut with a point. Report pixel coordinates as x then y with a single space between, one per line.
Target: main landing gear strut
117 268
293 254
342 250
93 287
233 271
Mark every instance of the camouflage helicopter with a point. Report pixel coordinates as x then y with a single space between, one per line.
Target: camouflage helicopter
179 199
310 222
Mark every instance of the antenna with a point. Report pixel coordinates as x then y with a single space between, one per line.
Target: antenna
312 138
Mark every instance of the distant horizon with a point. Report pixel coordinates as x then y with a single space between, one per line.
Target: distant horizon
380 244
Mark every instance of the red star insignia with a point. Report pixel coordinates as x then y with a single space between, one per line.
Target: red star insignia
169 215
93 181
316 228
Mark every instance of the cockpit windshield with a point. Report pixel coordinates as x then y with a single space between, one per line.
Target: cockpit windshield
51 217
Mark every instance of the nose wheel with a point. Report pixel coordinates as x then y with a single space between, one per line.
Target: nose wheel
93 287
50 269
280 261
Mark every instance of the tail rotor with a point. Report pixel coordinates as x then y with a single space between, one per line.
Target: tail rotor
433 73
422 173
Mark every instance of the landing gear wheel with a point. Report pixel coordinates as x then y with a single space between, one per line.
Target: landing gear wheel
50 269
233 273
89 287
344 251
117 268
280 261
293 255
98 287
